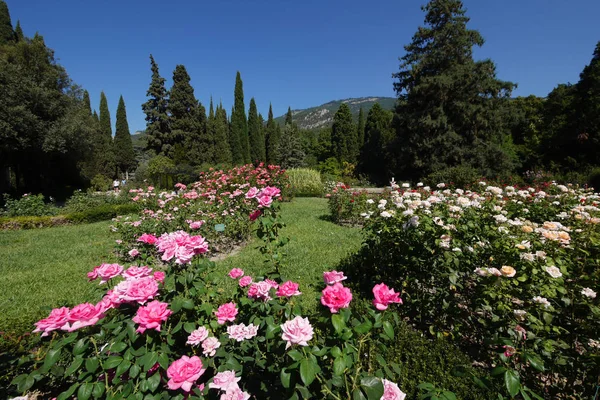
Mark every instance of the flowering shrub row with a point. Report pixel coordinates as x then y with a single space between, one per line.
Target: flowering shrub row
511 275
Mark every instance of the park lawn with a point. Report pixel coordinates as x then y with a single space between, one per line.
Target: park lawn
46 268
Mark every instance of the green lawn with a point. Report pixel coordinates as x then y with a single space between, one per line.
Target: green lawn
46 268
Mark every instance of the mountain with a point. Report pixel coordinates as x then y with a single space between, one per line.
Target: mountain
322 116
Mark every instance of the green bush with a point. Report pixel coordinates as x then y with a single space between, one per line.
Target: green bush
81 201
460 176
100 183
102 213
305 182
28 205
28 222
593 179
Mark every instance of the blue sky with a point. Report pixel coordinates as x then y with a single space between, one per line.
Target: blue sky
297 54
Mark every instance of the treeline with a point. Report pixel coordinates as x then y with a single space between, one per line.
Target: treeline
50 141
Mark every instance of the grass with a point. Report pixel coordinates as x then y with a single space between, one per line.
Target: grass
45 268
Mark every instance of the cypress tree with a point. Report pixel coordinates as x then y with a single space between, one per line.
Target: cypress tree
343 135
290 150
222 146
7 35
271 138
210 128
157 119
377 137
288 117
360 129
257 143
96 118
123 148
105 126
104 155
86 102
184 122
240 147
19 35
263 138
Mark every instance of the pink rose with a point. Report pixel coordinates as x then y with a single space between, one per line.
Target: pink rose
140 290
225 380
297 331
82 315
236 273
260 291
181 246
56 320
210 346
252 193
183 373
241 332
336 297
134 272
133 253
270 191
146 238
197 336
93 275
272 283
384 296
333 277
245 281
196 224
226 312
159 276
105 304
288 289
235 394
107 272
391 391
151 316
265 201
254 215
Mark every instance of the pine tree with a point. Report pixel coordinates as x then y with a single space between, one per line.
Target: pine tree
123 148
86 102
271 138
7 35
105 125
257 143
184 122
343 135
450 108
377 138
157 119
263 137
240 146
104 154
360 129
288 117
290 149
19 35
96 117
221 137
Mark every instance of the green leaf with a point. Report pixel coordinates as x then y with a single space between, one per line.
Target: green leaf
188 304
512 382
151 359
80 347
91 364
118 347
448 395
358 395
134 371
189 327
373 387
285 378
535 361
271 330
122 368
339 366
498 370
51 358
364 327
112 362
26 384
163 360
295 354
68 393
85 391
98 390
336 352
153 382
74 366
308 371
388 329
338 322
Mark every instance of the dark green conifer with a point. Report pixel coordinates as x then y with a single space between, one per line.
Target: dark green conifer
157 119
104 154
360 129
377 138
240 147
123 148
221 138
257 143
86 102
288 117
290 151
19 35
7 34
343 135
271 138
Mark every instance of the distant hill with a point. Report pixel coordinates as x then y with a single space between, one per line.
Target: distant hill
322 116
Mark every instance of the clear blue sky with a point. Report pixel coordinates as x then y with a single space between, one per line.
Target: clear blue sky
297 54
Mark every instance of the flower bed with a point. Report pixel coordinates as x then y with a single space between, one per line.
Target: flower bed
510 275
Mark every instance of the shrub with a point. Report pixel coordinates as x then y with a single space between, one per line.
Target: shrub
593 179
101 183
82 201
28 205
305 182
460 176
101 213
16 223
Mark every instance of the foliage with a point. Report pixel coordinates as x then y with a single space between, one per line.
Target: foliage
272 137
593 179
305 182
157 119
101 183
222 137
103 144
255 135
28 205
290 149
374 160
82 201
344 143
460 176
123 148
159 170
239 126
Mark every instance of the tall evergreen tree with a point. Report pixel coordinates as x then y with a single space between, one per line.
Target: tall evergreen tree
271 138
378 135
263 137
360 129
19 35
123 148
7 34
221 137
343 135
105 125
290 150
240 146
96 117
289 120
157 119
257 143
185 127
103 149
86 102
450 108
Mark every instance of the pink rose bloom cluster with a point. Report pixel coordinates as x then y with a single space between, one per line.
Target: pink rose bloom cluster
196 224
336 297
288 289
181 246
133 253
265 196
138 290
261 290
391 391
236 273
227 382
245 281
297 331
151 316
80 316
242 332
384 296
183 373
105 272
197 336
332 277
210 346
134 272
147 238
226 312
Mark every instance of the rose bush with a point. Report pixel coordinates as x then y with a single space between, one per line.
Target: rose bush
510 274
